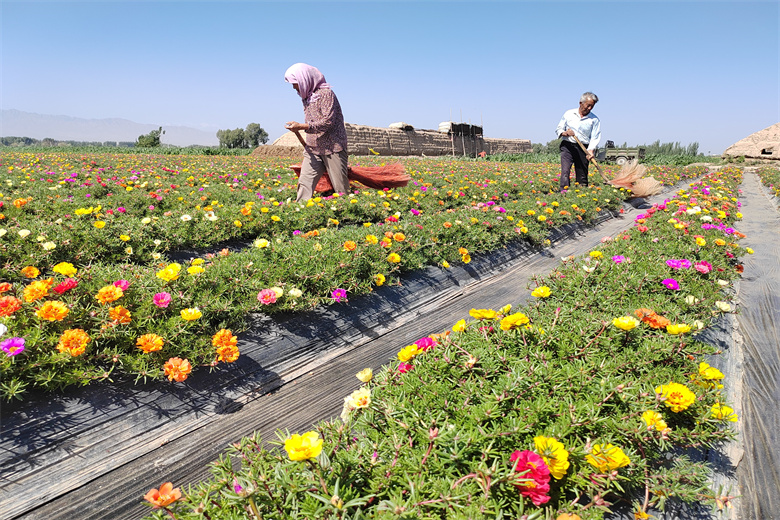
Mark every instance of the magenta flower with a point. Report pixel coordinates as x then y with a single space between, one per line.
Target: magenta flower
162 299
618 259
122 284
266 296
12 346
531 466
414 212
425 343
339 295
404 367
671 283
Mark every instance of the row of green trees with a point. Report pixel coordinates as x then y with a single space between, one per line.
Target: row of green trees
17 142
250 137
655 148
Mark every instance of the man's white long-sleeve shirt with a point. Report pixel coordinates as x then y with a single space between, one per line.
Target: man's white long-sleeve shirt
587 129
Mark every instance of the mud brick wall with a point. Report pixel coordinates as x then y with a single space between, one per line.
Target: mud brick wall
391 141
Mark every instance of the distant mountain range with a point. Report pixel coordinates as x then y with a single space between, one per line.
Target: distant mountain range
65 128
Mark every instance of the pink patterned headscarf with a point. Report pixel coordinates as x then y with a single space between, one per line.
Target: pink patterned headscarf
308 79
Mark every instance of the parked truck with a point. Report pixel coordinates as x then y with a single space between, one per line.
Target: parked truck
619 156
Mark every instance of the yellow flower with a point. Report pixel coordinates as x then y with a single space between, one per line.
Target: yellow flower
276 218
261 243
554 454
749 251
445 264
65 269
720 242
191 314
408 352
124 238
48 246
606 457
709 373
170 273
701 242
99 224
723 306
678 328
393 258
466 258
541 292
514 321
483 314
460 326
371 239
379 279
676 396
303 447
596 254
723 412
625 322
654 420
237 223
195 269
365 375
505 309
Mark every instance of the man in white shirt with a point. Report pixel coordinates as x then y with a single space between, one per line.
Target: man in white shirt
587 127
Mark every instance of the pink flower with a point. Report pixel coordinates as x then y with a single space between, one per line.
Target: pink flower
122 284
703 267
66 285
425 343
404 367
267 296
532 466
162 299
339 294
671 283
12 346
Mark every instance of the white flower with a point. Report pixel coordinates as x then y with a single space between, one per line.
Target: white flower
723 306
157 242
693 211
690 299
40 238
588 269
24 233
146 220
3 232
48 246
156 256
3 329
210 216
295 293
705 218
723 283
185 218
698 324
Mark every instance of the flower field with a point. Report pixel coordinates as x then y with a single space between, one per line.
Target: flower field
596 393
90 292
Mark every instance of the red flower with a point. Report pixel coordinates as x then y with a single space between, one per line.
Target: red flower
531 466
66 285
404 367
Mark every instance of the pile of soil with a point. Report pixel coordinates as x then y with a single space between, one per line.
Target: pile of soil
270 150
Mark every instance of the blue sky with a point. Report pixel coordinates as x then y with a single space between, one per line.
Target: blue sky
705 71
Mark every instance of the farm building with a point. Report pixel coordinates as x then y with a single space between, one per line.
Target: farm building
402 139
764 144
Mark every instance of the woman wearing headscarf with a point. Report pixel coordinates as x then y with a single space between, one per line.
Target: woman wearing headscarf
326 137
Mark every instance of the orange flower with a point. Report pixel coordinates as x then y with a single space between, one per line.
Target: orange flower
119 314
150 343
652 319
30 272
349 245
5 287
20 202
109 293
224 338
73 341
37 290
447 225
9 305
177 369
227 353
399 237
52 311
165 496
463 251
